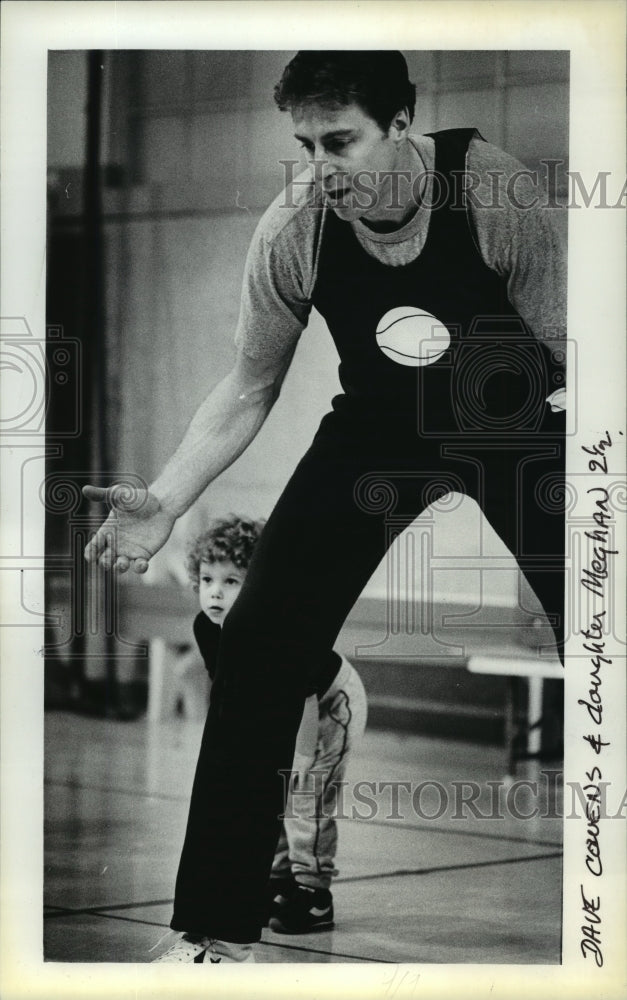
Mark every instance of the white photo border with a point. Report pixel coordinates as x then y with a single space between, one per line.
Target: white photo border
594 33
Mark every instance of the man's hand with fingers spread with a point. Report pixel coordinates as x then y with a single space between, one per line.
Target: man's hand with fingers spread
136 528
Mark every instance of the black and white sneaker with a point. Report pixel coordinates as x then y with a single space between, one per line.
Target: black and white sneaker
306 909
187 948
191 948
280 889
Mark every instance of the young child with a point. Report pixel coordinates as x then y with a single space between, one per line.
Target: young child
334 717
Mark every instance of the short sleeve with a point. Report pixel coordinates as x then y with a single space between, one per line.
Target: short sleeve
275 301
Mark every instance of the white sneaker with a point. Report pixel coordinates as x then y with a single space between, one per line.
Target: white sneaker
190 948
227 951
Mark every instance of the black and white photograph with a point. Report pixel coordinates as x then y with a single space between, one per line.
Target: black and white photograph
315 544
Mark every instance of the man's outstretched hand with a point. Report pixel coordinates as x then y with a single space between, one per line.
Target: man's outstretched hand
136 528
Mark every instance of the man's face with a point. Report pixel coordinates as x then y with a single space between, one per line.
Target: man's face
351 156
219 583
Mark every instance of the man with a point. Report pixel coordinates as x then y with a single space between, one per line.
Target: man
447 307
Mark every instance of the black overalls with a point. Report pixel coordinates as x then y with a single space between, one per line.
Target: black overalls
475 421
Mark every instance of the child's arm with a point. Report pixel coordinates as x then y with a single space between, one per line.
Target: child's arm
207 636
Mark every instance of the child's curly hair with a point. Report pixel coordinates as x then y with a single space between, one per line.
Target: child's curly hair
228 539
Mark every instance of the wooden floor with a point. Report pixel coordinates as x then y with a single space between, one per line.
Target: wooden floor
439 882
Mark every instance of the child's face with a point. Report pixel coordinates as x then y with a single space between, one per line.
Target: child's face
219 583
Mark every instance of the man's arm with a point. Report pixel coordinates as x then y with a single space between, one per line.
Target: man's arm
222 428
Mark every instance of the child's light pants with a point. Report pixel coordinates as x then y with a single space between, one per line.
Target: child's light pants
308 841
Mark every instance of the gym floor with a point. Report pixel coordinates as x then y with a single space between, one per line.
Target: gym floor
441 858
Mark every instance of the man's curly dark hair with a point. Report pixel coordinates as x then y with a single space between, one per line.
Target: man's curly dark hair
227 539
377 81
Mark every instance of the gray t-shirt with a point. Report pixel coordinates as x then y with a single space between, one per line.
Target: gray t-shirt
526 246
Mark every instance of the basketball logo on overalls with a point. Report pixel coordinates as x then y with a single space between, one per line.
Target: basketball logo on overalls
411 336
